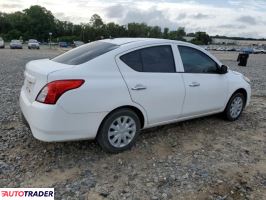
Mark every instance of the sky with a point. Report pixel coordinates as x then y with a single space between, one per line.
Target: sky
239 18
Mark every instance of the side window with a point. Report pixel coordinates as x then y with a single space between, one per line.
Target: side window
158 59
195 61
152 59
133 60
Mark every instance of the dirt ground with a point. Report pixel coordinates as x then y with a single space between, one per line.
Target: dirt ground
206 158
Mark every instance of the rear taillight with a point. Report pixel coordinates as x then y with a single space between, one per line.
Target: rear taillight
51 92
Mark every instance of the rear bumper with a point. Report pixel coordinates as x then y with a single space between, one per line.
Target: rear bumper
16 47
33 46
50 123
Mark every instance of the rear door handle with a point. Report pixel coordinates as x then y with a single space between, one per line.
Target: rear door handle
139 87
194 84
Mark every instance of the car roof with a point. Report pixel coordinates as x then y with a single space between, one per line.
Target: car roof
130 43
123 41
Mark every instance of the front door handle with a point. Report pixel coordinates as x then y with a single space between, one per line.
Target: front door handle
139 87
194 84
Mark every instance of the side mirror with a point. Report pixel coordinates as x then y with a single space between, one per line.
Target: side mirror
223 69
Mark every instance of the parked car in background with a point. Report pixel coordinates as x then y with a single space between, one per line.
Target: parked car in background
33 44
111 89
15 44
259 50
247 50
230 49
63 44
2 43
77 43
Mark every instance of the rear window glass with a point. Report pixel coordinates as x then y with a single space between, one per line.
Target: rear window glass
85 53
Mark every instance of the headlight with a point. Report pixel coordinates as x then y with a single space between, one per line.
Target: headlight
246 79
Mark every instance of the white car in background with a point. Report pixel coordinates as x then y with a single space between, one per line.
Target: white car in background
15 44
259 50
2 43
111 89
33 44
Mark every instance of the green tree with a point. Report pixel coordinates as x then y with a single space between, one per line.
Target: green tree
36 22
155 32
165 33
180 33
96 21
39 22
138 30
201 38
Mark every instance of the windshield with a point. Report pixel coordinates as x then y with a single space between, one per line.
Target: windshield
15 41
85 53
33 41
78 42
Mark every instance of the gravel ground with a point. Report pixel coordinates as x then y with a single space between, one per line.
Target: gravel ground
206 158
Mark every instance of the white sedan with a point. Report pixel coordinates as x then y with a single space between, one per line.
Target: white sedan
33 44
111 89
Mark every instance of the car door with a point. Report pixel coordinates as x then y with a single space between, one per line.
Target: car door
151 78
206 88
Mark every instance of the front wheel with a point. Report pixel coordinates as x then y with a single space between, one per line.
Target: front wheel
235 107
119 131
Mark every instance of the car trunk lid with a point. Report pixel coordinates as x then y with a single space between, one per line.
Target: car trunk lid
36 76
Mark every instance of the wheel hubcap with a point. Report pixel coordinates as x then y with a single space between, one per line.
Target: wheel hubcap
236 107
122 131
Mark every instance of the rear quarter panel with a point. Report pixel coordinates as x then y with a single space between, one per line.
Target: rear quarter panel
103 91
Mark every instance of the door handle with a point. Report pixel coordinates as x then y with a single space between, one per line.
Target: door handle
139 87
194 84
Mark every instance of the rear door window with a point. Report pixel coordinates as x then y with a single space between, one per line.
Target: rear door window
85 53
157 59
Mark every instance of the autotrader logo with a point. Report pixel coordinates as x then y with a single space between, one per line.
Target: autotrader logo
27 193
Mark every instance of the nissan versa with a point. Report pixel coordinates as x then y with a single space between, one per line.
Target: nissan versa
111 89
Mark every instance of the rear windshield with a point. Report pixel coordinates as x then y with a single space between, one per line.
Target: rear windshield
85 53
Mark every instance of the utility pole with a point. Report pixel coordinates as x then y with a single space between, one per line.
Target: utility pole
50 39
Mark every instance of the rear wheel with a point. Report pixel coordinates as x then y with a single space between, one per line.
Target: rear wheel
119 131
235 107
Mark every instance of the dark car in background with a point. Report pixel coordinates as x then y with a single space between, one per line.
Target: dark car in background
15 44
63 44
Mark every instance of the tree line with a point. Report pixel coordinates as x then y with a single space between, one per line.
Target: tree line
37 22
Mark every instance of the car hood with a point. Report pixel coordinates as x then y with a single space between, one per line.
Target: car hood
235 72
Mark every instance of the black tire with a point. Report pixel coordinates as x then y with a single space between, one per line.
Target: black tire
227 112
102 136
